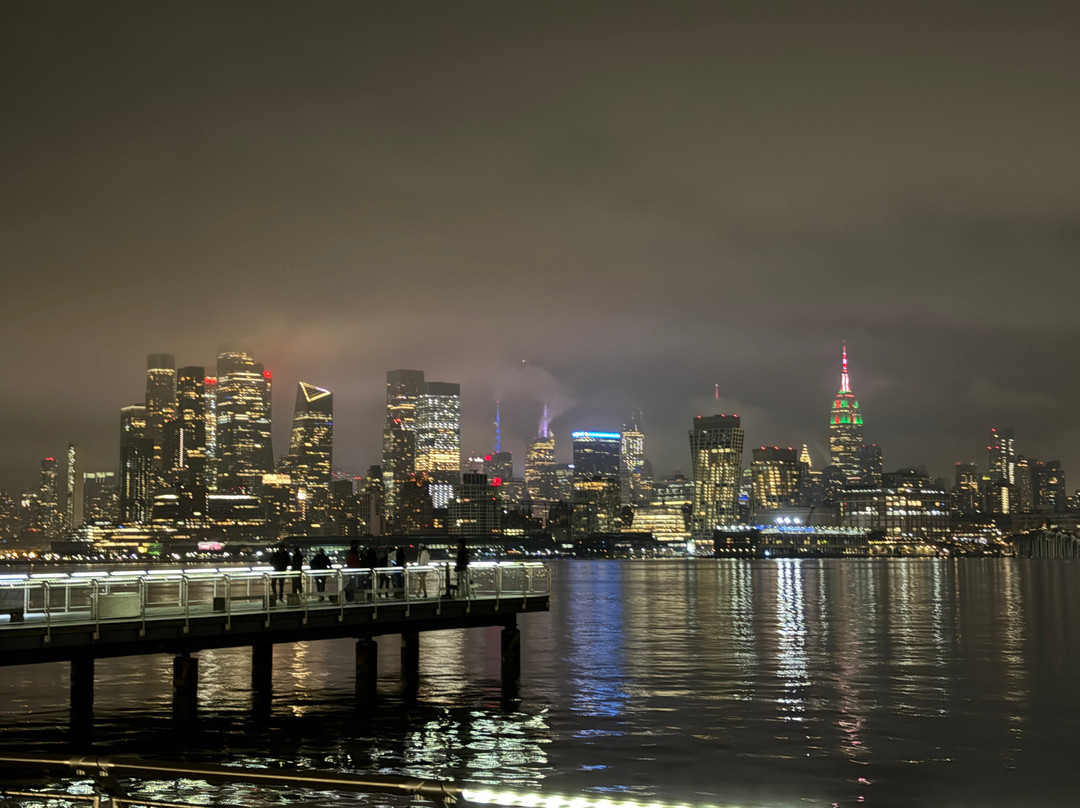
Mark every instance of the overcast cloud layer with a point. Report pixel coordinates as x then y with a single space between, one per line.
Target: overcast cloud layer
603 205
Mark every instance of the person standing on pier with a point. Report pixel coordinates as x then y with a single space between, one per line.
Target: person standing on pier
399 562
423 558
320 562
352 563
298 568
384 577
462 569
280 562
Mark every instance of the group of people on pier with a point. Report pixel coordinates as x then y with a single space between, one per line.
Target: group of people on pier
390 581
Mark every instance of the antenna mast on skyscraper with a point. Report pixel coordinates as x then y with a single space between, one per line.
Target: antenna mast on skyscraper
845 386
716 394
498 437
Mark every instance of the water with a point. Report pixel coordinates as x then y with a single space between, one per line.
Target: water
833 682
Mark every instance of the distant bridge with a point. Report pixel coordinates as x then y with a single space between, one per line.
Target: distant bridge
1046 543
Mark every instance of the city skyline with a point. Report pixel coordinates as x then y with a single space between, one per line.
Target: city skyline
638 201
283 428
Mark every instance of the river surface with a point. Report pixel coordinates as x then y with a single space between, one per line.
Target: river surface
754 683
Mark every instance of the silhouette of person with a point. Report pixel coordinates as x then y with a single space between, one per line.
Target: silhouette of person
320 562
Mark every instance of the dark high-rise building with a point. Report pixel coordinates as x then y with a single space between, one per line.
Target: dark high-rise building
775 479
597 454
845 429
100 498
160 406
597 496
311 446
138 477
438 439
245 450
1025 485
716 449
871 463
403 389
1051 486
965 493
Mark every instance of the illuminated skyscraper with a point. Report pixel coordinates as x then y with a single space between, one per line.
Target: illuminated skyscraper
597 454
634 474
186 435
540 482
1002 450
311 447
845 429
596 498
138 479
775 480
210 406
403 389
498 465
73 502
245 450
438 439
160 405
716 449
47 517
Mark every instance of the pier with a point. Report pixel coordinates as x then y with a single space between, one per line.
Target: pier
81 617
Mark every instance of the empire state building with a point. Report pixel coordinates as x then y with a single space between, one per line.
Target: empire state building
845 429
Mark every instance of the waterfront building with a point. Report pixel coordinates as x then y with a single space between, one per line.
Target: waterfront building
438 439
245 450
845 429
477 509
1051 487
965 499
309 462
775 480
73 489
403 391
908 511
138 480
716 449
667 522
792 539
597 507
160 405
101 502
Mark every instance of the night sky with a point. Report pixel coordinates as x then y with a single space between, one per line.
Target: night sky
606 206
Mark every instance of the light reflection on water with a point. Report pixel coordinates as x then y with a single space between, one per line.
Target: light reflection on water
886 682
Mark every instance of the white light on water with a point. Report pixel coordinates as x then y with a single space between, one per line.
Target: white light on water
520 800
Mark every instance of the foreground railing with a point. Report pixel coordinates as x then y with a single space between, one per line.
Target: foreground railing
98 596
